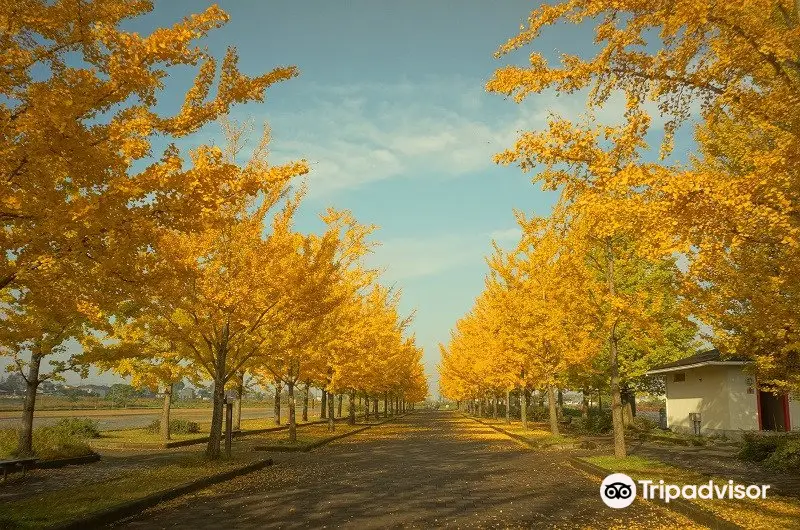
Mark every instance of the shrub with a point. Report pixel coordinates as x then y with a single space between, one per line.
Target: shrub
697 441
575 413
786 456
757 447
176 426
50 443
537 413
599 421
78 427
643 423
596 422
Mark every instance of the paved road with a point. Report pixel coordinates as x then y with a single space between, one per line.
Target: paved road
428 469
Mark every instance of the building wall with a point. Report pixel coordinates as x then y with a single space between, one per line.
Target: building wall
742 406
718 393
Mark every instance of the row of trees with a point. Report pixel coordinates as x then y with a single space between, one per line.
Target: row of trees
167 268
596 284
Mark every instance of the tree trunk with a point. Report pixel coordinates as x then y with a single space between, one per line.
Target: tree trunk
339 408
277 404
25 444
366 407
212 450
292 418
352 408
324 404
331 407
305 402
165 434
628 397
523 407
560 404
508 406
494 407
237 406
385 404
552 404
374 407
616 402
585 403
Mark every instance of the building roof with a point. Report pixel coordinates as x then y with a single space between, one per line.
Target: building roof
707 358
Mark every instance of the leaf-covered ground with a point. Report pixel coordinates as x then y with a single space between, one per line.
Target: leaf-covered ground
428 469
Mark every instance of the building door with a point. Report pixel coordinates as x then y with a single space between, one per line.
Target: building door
773 412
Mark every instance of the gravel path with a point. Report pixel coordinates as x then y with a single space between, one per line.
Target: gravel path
428 469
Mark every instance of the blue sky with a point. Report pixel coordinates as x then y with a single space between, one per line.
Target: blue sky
390 111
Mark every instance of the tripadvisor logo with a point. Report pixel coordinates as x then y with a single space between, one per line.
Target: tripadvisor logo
619 490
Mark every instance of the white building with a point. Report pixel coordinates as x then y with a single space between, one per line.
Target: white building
709 395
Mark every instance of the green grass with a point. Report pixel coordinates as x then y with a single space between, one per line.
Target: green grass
773 512
69 503
48 444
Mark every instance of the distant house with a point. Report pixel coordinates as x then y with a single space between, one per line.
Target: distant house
96 390
186 393
707 395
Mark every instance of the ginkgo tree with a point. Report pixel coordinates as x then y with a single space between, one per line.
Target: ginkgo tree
209 292
33 334
150 361
84 195
732 69
319 277
601 237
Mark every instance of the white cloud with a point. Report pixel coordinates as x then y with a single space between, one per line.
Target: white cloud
509 235
361 133
357 134
404 258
